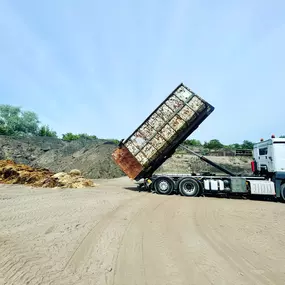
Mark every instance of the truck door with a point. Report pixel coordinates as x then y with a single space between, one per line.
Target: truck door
278 156
263 158
270 158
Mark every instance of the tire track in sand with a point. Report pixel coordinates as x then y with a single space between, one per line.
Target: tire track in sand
205 218
130 266
97 251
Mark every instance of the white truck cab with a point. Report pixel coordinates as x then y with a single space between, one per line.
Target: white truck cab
269 156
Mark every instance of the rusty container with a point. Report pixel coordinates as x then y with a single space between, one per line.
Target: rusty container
157 138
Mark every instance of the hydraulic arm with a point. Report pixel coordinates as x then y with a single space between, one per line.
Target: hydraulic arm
203 158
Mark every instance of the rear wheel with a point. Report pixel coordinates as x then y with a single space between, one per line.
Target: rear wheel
164 185
189 187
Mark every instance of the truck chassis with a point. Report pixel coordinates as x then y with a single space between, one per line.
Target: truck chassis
226 185
193 186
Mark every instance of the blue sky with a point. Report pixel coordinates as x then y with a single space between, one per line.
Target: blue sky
101 67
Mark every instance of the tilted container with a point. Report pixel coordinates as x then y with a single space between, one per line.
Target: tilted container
157 138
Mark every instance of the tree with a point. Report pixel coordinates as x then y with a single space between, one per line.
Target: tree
282 137
45 131
3 130
247 145
14 121
235 146
29 123
72 137
86 136
193 142
213 144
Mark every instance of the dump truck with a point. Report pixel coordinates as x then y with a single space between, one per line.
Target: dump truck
164 130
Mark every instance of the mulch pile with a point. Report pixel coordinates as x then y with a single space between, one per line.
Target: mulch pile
13 173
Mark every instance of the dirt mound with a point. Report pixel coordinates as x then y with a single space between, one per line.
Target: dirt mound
91 156
93 160
13 173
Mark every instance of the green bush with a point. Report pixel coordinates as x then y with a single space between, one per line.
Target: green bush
213 144
192 142
45 131
72 137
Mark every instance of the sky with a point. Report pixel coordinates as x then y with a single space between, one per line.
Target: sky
101 67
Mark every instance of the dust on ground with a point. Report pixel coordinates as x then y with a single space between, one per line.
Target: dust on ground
112 234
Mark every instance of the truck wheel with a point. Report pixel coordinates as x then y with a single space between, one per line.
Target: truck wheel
189 187
164 185
283 193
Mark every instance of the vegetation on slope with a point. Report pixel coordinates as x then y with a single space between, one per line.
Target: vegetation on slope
16 122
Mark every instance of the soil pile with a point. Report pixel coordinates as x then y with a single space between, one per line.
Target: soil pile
91 156
12 173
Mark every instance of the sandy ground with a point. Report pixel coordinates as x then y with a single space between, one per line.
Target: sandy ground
112 235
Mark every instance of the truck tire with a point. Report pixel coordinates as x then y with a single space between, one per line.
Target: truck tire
164 185
189 187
